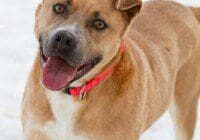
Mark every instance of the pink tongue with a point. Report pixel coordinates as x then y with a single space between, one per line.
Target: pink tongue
57 73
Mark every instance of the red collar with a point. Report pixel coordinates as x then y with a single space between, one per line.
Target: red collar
82 90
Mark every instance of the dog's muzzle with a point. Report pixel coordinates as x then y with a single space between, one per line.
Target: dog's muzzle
62 43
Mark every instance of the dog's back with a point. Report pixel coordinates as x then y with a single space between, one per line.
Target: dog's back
169 33
166 23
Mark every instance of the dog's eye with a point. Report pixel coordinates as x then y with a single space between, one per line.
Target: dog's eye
99 25
59 8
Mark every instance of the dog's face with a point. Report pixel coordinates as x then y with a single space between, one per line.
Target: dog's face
79 37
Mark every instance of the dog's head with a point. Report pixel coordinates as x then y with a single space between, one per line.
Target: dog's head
79 37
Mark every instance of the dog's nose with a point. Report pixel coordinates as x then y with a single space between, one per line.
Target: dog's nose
64 41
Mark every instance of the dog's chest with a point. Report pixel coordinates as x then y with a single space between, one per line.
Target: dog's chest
64 109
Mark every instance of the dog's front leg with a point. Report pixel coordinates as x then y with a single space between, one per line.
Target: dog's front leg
36 135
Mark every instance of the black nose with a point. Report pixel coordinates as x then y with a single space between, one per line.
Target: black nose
64 41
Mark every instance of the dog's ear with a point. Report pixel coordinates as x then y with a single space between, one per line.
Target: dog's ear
129 7
127 4
38 9
37 13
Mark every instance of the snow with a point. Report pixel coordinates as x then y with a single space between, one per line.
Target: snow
17 51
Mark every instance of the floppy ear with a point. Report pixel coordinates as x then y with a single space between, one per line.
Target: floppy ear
127 4
129 7
38 9
37 13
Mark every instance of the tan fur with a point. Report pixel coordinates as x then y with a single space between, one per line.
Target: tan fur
197 13
126 4
35 100
160 69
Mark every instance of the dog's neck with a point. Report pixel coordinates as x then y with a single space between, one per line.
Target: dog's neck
82 90
122 69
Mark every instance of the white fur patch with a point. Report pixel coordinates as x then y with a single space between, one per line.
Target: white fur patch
76 83
71 28
64 109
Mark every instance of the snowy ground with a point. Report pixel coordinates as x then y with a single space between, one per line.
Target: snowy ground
17 51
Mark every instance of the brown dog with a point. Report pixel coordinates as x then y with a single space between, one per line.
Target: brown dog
122 72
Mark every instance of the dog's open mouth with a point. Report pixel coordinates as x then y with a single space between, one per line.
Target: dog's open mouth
57 74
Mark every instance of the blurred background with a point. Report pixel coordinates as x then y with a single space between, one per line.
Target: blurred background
17 51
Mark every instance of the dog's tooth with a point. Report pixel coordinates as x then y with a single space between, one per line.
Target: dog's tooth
79 72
